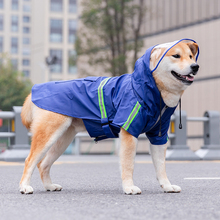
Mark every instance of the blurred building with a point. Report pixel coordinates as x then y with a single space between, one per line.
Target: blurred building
37 32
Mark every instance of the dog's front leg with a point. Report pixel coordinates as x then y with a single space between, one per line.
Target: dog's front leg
158 153
127 155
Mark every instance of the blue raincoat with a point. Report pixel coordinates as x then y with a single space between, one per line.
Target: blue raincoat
131 101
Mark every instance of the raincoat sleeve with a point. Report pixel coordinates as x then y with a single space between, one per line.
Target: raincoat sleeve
153 134
136 127
130 118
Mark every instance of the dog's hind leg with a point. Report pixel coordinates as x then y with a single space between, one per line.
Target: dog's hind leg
127 155
55 152
158 153
52 155
48 127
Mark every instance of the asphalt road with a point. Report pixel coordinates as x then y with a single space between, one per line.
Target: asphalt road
92 190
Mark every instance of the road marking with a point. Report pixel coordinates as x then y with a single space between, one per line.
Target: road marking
77 162
174 161
3 163
202 178
143 161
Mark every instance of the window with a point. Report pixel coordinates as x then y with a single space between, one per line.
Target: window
56 30
72 6
26 19
14 63
56 5
72 31
26 73
14 5
1 22
14 45
26 30
1 44
26 62
72 61
14 23
1 4
26 8
57 67
26 51
26 40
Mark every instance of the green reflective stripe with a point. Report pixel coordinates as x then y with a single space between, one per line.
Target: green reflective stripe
132 116
101 98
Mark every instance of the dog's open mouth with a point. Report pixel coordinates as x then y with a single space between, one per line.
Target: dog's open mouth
188 79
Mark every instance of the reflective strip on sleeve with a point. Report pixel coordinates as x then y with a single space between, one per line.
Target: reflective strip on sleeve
101 98
132 116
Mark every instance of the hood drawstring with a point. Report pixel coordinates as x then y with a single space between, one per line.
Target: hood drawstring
160 115
180 124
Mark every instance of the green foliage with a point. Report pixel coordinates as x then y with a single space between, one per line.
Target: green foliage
72 60
14 87
111 30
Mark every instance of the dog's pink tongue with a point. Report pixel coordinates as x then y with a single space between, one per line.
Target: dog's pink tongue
190 78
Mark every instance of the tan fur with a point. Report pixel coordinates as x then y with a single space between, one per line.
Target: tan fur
156 56
44 128
53 154
184 52
127 155
26 114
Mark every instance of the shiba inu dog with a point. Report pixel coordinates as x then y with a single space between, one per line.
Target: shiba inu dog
141 102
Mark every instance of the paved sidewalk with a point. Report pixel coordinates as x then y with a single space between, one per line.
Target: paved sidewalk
92 190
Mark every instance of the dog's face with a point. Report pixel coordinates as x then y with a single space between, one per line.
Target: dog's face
177 69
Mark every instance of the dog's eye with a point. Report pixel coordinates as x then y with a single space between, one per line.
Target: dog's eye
190 56
176 56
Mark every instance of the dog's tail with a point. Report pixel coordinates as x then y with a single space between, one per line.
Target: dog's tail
26 113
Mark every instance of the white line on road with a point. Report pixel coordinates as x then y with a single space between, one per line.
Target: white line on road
202 178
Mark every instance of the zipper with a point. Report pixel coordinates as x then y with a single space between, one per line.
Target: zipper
162 112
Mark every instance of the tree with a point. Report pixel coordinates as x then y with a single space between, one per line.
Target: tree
110 33
14 87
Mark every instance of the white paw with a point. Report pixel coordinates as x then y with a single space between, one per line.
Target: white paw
53 187
26 189
171 188
131 190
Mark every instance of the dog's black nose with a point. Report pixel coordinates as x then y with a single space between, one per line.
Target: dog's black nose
194 67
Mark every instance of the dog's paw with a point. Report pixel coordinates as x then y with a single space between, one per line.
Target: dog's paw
26 189
131 190
53 187
171 188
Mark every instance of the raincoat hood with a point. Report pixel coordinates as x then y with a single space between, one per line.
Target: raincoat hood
142 79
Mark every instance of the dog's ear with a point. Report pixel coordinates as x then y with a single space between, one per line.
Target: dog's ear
193 47
156 53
